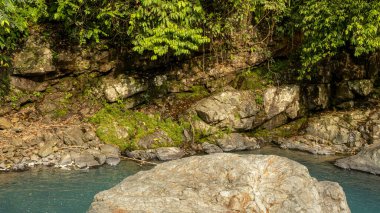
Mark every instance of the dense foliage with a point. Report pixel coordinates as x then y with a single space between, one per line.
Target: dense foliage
179 27
15 18
330 25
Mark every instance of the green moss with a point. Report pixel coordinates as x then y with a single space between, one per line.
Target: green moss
284 131
59 113
114 119
196 92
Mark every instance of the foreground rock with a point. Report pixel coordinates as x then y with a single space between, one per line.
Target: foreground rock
368 160
223 183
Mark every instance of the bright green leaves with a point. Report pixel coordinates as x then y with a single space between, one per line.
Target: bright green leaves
15 18
161 27
90 20
330 25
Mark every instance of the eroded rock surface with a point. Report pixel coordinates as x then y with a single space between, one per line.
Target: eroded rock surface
367 160
223 183
331 133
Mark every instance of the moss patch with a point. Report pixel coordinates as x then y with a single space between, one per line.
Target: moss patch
124 128
196 92
285 131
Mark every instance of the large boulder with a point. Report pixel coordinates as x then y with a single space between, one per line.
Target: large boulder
282 99
331 133
367 160
223 183
35 59
233 109
123 87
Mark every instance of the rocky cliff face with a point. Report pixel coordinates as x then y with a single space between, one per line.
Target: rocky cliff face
223 183
49 84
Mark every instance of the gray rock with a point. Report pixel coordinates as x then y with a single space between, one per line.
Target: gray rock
169 153
123 87
47 149
361 87
223 183
112 154
148 154
156 139
66 160
73 136
317 96
367 160
343 92
234 109
330 133
5 123
237 142
35 59
211 148
113 161
282 99
84 160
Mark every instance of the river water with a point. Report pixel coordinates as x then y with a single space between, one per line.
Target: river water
52 190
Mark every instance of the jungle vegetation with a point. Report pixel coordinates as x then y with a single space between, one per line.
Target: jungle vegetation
176 28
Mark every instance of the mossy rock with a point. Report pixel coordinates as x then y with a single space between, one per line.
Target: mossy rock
126 128
288 130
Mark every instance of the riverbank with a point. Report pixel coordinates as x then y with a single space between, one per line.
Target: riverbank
50 190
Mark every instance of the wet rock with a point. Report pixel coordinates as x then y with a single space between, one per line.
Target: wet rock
223 183
84 160
123 87
169 153
237 142
148 154
112 161
282 99
211 148
367 160
112 154
309 144
5 124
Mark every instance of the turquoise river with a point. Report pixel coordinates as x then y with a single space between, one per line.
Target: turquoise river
52 190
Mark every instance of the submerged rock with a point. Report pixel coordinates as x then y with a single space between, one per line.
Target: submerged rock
223 183
368 160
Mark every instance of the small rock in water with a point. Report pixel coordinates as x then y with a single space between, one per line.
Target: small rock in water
148 154
113 161
169 153
237 142
211 148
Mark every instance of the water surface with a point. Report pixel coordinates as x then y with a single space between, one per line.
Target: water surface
52 190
